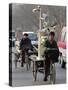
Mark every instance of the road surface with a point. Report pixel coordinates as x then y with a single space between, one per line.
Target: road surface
22 77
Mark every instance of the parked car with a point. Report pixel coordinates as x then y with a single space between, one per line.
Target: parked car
62 47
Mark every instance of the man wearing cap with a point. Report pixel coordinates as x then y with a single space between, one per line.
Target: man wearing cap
25 45
51 54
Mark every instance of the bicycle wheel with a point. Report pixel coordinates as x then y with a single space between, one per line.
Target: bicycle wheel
27 62
34 71
52 73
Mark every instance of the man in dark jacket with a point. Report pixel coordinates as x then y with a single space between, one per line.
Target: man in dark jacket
51 53
25 45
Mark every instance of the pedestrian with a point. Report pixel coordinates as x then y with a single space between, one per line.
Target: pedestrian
51 54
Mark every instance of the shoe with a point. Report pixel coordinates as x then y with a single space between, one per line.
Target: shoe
48 74
22 65
45 79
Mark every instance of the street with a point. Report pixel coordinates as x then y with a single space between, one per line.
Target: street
22 77
40 28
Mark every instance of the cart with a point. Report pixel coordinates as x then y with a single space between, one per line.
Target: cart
38 66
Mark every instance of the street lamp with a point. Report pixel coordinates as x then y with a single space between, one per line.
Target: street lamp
38 9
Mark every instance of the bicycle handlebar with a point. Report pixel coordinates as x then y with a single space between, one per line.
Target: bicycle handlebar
51 49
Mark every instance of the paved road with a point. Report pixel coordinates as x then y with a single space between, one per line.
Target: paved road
22 77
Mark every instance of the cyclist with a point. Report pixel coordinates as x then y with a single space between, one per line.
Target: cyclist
25 45
51 53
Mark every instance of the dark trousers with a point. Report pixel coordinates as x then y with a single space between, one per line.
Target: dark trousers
47 67
23 57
